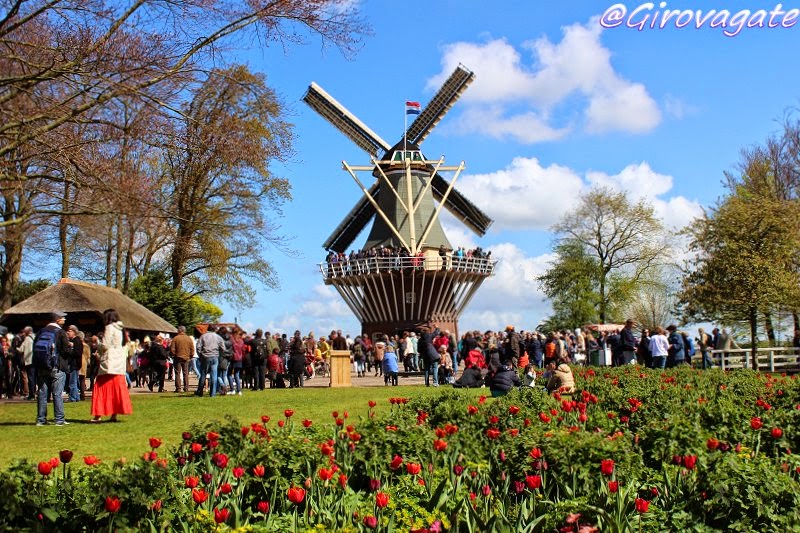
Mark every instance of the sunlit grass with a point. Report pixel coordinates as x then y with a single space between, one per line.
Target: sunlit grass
167 415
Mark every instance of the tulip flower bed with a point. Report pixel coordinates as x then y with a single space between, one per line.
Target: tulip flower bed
633 450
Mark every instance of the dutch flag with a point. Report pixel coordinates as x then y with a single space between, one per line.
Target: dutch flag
412 108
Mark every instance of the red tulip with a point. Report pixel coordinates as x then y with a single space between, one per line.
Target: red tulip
494 419
493 433
712 444
281 423
513 409
439 445
371 404
221 515
220 459
156 506
413 468
396 462
245 431
756 423
65 456
544 418
154 442
237 471
486 489
472 409
199 495
288 413
258 470
613 486
296 495
607 466
90 460
777 433
191 482
381 499
370 521
325 474
113 504
342 481
226 488
186 435
54 462
197 448
263 507
212 436
533 482
690 461
307 423
642 505
536 453
45 468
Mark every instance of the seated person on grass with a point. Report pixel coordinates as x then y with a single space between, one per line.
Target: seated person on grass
561 378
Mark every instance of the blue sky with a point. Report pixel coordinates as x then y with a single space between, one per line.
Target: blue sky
559 104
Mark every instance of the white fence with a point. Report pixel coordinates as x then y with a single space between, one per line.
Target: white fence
769 359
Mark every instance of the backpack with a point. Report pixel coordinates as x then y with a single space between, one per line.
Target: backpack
260 351
45 354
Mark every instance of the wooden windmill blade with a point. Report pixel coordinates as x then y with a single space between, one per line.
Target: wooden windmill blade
354 223
461 208
440 104
344 120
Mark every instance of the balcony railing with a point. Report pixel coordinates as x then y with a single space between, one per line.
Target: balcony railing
375 265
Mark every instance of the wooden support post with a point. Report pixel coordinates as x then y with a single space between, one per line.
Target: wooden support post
340 368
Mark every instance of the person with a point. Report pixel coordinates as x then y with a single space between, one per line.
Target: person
430 356
502 380
51 377
724 342
209 347
688 344
238 347
390 365
704 343
225 358
75 363
377 357
182 349
659 348
359 357
85 358
259 349
338 342
275 369
110 395
677 350
511 347
561 379
628 341
643 349
445 366
25 350
412 351
297 361
529 377
470 378
158 363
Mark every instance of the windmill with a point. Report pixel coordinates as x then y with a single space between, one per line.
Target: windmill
421 282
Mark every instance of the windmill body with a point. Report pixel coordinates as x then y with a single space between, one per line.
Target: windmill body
407 276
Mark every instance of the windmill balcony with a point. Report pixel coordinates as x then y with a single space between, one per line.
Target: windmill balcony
376 265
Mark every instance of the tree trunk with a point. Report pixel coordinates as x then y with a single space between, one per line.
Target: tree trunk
109 252
796 320
120 253
754 337
770 328
63 233
9 277
602 299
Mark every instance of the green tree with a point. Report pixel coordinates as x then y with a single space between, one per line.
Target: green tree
26 289
623 239
745 265
570 284
153 290
229 132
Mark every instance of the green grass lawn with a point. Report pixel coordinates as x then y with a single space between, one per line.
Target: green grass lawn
167 415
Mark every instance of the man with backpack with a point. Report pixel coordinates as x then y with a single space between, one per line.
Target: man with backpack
677 350
259 348
51 367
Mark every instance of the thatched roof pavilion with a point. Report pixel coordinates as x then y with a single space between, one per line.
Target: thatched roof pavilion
84 304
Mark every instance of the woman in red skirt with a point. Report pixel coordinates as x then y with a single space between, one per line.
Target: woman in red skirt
110 395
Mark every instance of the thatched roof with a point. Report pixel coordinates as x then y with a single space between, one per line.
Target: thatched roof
84 304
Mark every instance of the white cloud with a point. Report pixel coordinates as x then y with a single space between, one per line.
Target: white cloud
637 179
521 101
524 195
512 295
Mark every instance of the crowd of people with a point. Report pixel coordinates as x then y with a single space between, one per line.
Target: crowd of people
229 360
398 258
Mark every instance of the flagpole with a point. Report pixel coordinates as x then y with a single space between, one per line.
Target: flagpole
405 130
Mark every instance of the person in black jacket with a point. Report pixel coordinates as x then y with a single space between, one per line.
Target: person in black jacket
502 380
75 362
430 355
470 378
158 363
297 361
52 380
